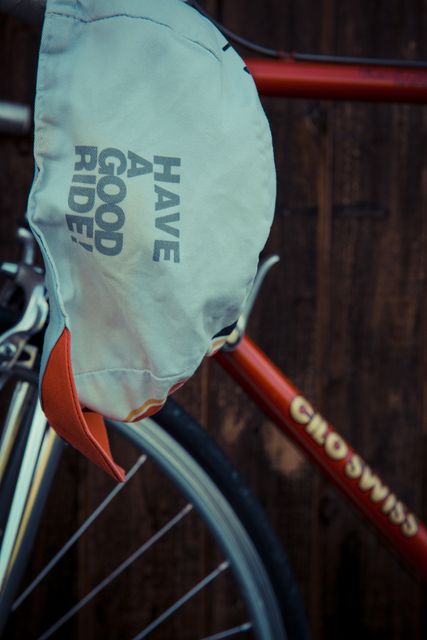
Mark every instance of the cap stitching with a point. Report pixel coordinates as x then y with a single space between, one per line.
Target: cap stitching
128 15
137 371
114 15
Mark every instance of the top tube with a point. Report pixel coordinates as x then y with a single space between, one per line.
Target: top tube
305 76
339 80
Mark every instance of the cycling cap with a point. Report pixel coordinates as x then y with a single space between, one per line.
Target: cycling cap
153 196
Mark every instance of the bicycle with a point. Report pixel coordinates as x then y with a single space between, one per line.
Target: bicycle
309 424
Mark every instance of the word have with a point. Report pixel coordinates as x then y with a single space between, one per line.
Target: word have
102 175
355 468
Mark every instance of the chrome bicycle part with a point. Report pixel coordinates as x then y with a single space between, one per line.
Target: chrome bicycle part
26 277
14 118
203 502
22 490
196 484
240 328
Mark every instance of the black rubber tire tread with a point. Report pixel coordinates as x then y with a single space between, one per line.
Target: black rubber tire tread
195 439
197 442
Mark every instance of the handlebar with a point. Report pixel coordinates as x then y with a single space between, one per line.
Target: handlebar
14 118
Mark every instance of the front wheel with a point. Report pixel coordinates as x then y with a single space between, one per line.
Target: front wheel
206 563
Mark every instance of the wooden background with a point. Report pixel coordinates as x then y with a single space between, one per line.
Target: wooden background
344 313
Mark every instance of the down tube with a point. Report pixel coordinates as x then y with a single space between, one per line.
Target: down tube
295 416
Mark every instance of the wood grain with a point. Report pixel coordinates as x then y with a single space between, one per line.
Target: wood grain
344 314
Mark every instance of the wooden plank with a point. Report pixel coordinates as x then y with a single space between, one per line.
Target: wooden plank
374 249
349 204
344 314
283 321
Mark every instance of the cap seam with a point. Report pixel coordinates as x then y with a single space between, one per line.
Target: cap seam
40 126
136 371
133 17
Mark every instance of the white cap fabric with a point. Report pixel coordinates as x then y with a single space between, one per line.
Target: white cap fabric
153 195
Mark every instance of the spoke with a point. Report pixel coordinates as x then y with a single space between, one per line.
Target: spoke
122 567
22 489
104 504
243 628
185 598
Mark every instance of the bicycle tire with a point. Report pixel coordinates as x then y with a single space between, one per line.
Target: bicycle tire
184 433
190 434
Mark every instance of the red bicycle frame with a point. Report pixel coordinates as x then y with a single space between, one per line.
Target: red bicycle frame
251 368
332 80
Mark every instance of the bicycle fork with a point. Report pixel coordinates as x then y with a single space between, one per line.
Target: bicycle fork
36 468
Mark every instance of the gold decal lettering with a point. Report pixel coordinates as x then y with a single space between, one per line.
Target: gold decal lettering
379 491
389 503
317 428
354 467
410 526
398 516
301 410
335 446
370 480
